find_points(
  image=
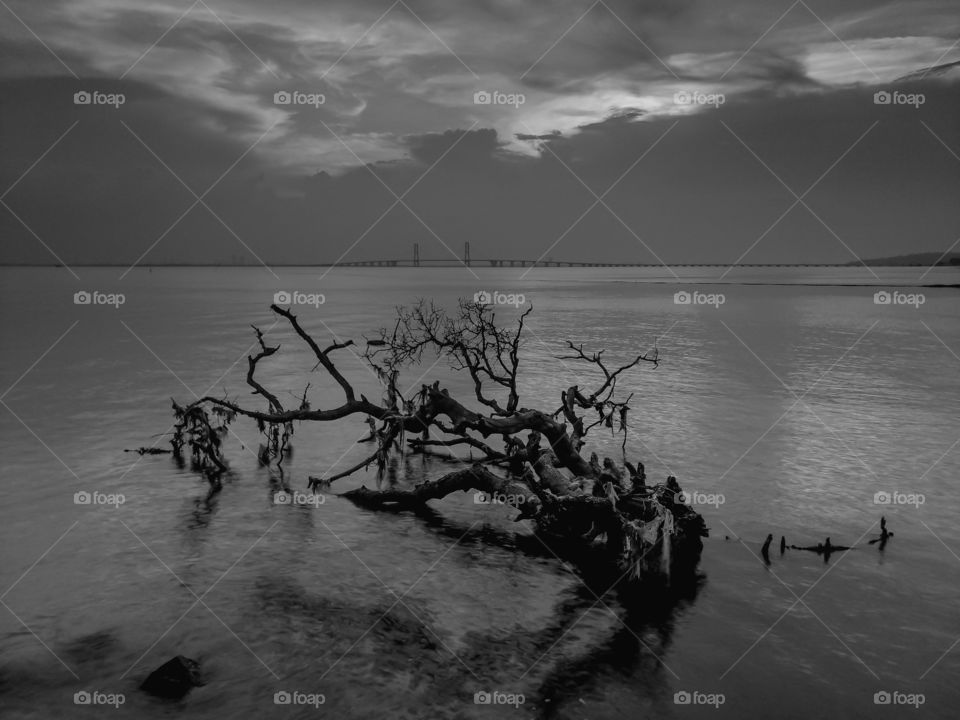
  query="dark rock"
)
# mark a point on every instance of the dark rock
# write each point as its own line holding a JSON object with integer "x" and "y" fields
{"x": 174, "y": 678}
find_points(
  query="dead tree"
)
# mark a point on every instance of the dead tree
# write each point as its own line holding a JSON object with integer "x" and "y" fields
{"x": 576, "y": 501}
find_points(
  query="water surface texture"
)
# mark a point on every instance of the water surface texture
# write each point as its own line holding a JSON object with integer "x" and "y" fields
{"x": 797, "y": 399}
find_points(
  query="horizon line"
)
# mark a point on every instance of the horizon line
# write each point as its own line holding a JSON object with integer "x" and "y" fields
{"x": 552, "y": 264}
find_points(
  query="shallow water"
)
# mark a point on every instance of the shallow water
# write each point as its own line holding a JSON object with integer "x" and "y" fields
{"x": 796, "y": 401}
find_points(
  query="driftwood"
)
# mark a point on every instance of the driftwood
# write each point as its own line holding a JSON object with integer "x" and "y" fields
{"x": 646, "y": 532}
{"x": 576, "y": 501}
{"x": 827, "y": 548}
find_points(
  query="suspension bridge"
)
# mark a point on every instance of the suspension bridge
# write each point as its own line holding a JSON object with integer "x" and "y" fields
{"x": 466, "y": 260}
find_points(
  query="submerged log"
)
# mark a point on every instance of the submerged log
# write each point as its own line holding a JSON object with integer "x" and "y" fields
{"x": 644, "y": 533}
{"x": 827, "y": 548}
{"x": 885, "y": 534}
{"x": 765, "y": 550}
{"x": 476, "y": 478}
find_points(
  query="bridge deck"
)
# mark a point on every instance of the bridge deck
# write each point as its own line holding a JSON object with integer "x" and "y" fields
{"x": 507, "y": 262}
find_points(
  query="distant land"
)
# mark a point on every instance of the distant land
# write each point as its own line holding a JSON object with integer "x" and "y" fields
{"x": 926, "y": 259}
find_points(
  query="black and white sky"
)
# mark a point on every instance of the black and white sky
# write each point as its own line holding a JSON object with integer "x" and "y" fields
{"x": 783, "y": 155}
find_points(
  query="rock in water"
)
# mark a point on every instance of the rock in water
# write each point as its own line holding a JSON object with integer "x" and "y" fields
{"x": 174, "y": 678}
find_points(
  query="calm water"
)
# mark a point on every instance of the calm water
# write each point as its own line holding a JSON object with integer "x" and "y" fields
{"x": 796, "y": 402}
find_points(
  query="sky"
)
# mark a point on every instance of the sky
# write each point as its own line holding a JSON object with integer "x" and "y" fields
{"x": 651, "y": 131}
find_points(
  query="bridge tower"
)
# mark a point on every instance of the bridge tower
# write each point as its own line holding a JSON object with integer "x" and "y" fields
{"x": 416, "y": 254}
{"x": 466, "y": 254}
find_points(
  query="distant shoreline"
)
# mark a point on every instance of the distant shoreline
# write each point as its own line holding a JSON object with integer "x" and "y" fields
{"x": 800, "y": 284}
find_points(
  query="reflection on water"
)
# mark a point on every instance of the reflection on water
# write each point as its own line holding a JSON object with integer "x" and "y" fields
{"x": 796, "y": 403}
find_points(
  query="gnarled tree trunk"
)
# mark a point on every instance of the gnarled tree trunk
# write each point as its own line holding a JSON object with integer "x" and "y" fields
{"x": 575, "y": 501}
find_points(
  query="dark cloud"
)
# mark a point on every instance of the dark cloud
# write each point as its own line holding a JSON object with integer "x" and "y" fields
{"x": 548, "y": 136}
{"x": 699, "y": 193}
{"x": 479, "y": 145}
{"x": 521, "y": 180}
